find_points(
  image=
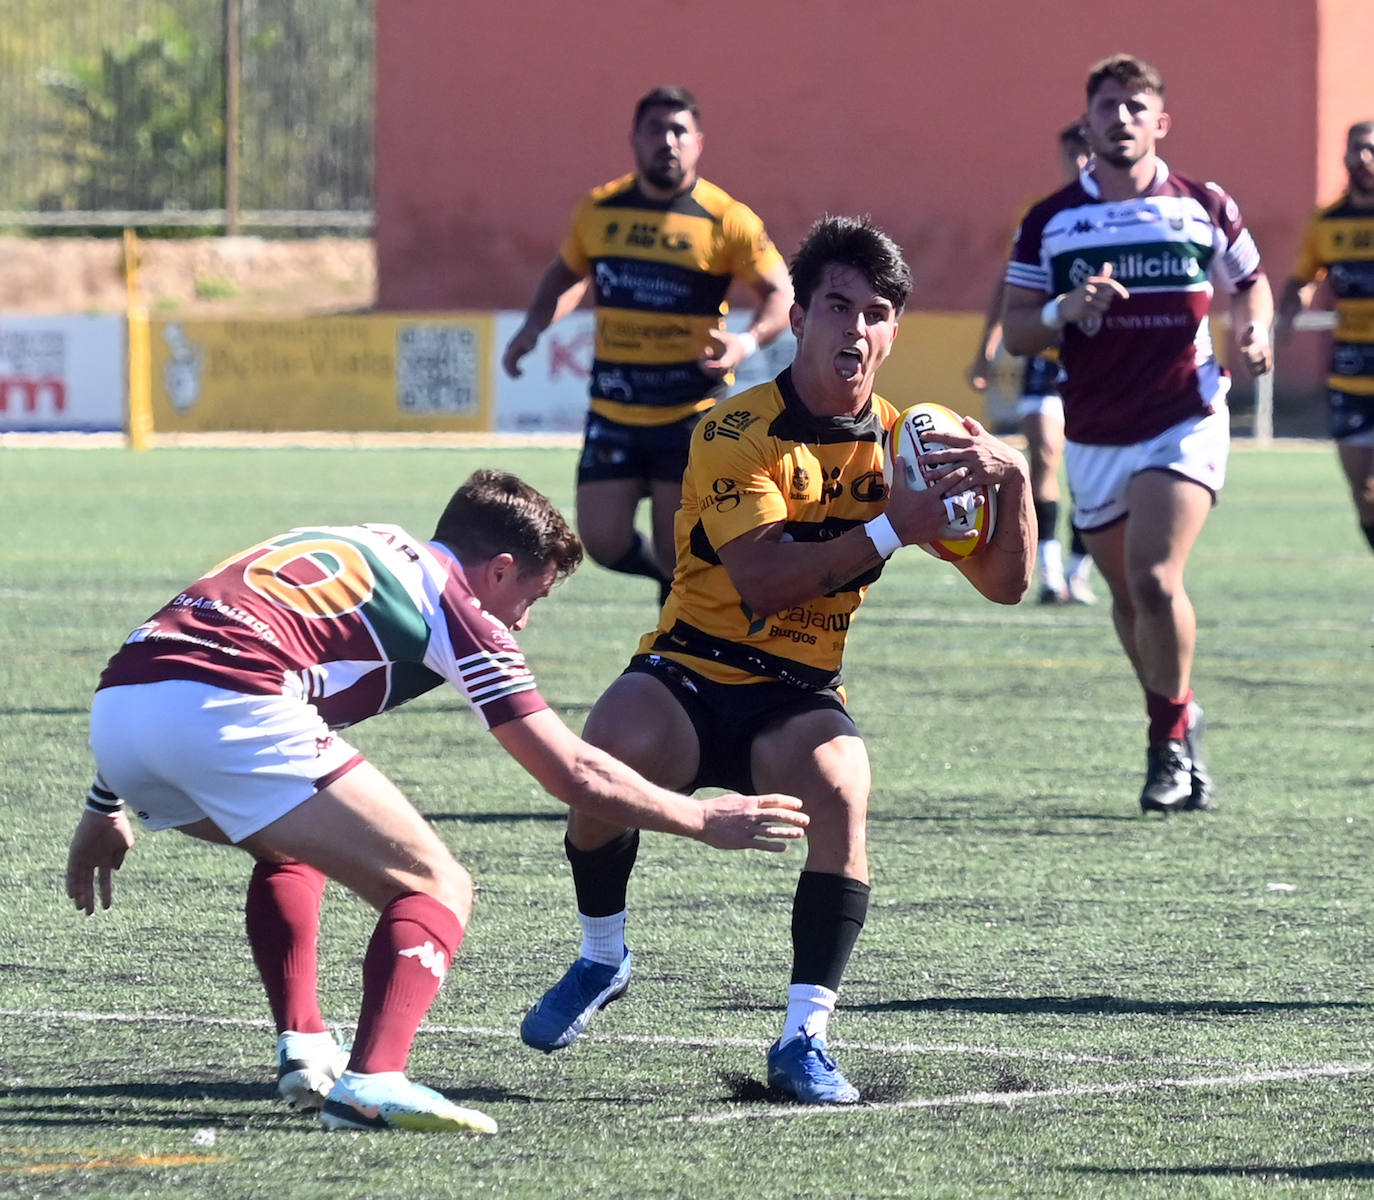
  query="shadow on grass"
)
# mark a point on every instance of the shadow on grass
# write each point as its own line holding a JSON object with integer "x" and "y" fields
{"x": 1101, "y": 1005}
{"x": 1315, "y": 1171}
{"x": 498, "y": 818}
{"x": 134, "y": 1102}
{"x": 745, "y": 1089}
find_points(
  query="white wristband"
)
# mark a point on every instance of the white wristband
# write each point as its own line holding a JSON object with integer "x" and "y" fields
{"x": 749, "y": 344}
{"x": 1050, "y": 316}
{"x": 883, "y": 536}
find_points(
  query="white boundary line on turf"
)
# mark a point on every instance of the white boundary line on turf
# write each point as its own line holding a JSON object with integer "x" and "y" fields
{"x": 627, "y": 1039}
{"x": 1009, "y": 1099}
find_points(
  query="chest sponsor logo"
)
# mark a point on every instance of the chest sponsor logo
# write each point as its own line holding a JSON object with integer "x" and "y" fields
{"x": 1154, "y": 266}
{"x": 647, "y": 235}
{"x": 801, "y": 483}
{"x": 868, "y": 489}
{"x": 640, "y": 286}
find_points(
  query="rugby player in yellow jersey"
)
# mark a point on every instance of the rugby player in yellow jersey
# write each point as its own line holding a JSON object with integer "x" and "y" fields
{"x": 1339, "y": 247}
{"x": 660, "y": 249}
{"x": 785, "y": 521}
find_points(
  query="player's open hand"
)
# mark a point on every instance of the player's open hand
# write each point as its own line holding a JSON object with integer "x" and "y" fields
{"x": 737, "y": 822}
{"x": 97, "y": 851}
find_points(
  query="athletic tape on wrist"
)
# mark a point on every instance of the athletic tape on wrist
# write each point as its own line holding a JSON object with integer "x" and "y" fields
{"x": 750, "y": 344}
{"x": 883, "y": 536}
{"x": 1050, "y": 316}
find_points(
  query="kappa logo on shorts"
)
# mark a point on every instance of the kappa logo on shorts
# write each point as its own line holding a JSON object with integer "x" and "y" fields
{"x": 323, "y": 744}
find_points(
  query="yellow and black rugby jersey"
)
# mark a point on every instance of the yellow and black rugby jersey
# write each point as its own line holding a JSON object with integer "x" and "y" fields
{"x": 763, "y": 457}
{"x": 1339, "y": 246}
{"x": 660, "y": 272}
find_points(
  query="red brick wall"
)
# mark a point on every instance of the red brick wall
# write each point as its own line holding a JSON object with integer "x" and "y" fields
{"x": 937, "y": 118}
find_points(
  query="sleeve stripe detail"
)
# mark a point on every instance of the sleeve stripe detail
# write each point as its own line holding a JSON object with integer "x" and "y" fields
{"x": 1242, "y": 257}
{"x": 1023, "y": 275}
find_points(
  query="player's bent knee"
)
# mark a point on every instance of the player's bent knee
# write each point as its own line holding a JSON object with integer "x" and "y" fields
{"x": 451, "y": 885}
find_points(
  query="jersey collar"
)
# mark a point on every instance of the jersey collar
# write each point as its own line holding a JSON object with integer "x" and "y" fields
{"x": 1088, "y": 180}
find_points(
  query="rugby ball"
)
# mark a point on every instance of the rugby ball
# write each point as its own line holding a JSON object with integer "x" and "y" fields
{"x": 917, "y": 431}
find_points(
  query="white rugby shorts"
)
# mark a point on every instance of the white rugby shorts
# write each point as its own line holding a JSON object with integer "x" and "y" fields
{"x": 179, "y": 751}
{"x": 1048, "y": 406}
{"x": 1100, "y": 476}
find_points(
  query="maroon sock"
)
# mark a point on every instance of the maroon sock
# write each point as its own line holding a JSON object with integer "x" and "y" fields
{"x": 1168, "y": 718}
{"x": 414, "y": 942}
{"x": 282, "y": 918}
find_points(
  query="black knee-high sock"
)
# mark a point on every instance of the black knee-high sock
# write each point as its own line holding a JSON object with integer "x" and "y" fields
{"x": 1047, "y": 518}
{"x": 827, "y": 914}
{"x": 1077, "y": 545}
{"x": 601, "y": 877}
{"x": 639, "y": 559}
{"x": 1369, "y": 535}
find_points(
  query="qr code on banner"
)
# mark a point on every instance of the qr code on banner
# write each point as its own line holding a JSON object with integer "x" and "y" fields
{"x": 436, "y": 369}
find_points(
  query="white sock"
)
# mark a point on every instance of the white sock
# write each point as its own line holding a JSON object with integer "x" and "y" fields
{"x": 1080, "y": 565}
{"x": 1050, "y": 552}
{"x": 603, "y": 938}
{"x": 809, "y": 1006}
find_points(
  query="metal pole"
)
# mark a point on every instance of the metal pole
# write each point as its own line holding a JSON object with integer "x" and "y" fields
{"x": 231, "y": 115}
{"x": 1264, "y": 405}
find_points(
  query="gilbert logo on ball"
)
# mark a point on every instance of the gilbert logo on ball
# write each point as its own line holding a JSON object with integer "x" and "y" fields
{"x": 916, "y": 432}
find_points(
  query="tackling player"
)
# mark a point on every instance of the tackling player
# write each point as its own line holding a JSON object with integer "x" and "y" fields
{"x": 785, "y": 521}
{"x": 1117, "y": 268}
{"x": 1339, "y": 247}
{"x": 217, "y": 718}
{"x": 661, "y": 248}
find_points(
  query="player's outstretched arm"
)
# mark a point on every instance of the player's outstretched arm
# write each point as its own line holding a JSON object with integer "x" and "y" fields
{"x": 558, "y": 292}
{"x": 97, "y": 850}
{"x": 594, "y": 782}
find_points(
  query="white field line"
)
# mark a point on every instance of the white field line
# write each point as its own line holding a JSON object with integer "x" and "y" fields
{"x": 629, "y": 1039}
{"x": 1010, "y": 1099}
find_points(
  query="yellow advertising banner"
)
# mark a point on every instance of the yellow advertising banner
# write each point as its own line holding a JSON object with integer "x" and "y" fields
{"x": 412, "y": 372}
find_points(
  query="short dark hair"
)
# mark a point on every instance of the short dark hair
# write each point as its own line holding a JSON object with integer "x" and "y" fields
{"x": 1127, "y": 70}
{"x": 1359, "y": 129}
{"x": 497, "y": 513}
{"x": 1072, "y": 136}
{"x": 850, "y": 242}
{"x": 676, "y": 98}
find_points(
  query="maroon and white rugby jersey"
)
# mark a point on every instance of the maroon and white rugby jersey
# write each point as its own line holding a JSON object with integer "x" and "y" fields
{"x": 1148, "y": 362}
{"x": 353, "y": 619}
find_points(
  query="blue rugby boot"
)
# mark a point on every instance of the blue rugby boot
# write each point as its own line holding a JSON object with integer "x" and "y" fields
{"x": 802, "y": 1068}
{"x": 564, "y": 1011}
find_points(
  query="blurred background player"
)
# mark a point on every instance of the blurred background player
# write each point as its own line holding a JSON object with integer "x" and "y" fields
{"x": 1339, "y": 247}
{"x": 1040, "y": 414}
{"x": 784, "y": 523}
{"x": 1118, "y": 268}
{"x": 661, "y": 248}
{"x": 216, "y": 717}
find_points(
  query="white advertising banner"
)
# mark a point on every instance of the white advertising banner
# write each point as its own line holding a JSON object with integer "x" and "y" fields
{"x": 551, "y": 394}
{"x": 62, "y": 373}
